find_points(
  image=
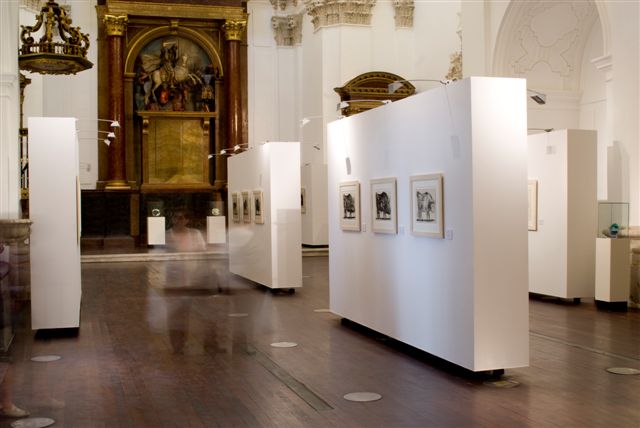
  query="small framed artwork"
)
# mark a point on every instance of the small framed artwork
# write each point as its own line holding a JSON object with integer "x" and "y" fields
{"x": 426, "y": 210}
{"x": 246, "y": 207}
{"x": 349, "y": 205}
{"x": 533, "y": 205}
{"x": 258, "y": 217}
{"x": 384, "y": 217}
{"x": 303, "y": 200}
{"x": 235, "y": 207}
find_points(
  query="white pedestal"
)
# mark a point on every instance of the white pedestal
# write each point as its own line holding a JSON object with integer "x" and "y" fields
{"x": 612, "y": 269}
{"x": 155, "y": 231}
{"x": 54, "y": 208}
{"x": 216, "y": 230}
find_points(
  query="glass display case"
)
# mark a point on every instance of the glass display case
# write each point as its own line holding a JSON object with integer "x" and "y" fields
{"x": 613, "y": 219}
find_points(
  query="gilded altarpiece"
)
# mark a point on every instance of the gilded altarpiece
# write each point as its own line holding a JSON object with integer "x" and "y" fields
{"x": 175, "y": 97}
{"x": 175, "y": 89}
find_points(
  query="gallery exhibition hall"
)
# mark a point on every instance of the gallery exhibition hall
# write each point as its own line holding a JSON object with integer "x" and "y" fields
{"x": 319, "y": 213}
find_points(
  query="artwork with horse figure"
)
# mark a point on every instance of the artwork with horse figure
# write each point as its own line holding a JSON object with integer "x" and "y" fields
{"x": 246, "y": 207}
{"x": 303, "y": 200}
{"x": 235, "y": 207}
{"x": 258, "y": 216}
{"x": 427, "y": 205}
{"x": 384, "y": 217}
{"x": 349, "y": 204}
{"x": 174, "y": 74}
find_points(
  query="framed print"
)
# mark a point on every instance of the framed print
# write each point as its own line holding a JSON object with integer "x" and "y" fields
{"x": 303, "y": 200}
{"x": 246, "y": 207}
{"x": 384, "y": 215}
{"x": 533, "y": 205}
{"x": 235, "y": 207}
{"x": 349, "y": 205}
{"x": 427, "y": 202}
{"x": 258, "y": 217}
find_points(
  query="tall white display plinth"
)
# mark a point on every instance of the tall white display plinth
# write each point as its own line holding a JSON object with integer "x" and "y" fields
{"x": 216, "y": 230}
{"x": 314, "y": 218}
{"x": 612, "y": 270}
{"x": 464, "y": 298}
{"x": 562, "y": 251}
{"x": 156, "y": 233}
{"x": 268, "y": 253}
{"x": 54, "y": 208}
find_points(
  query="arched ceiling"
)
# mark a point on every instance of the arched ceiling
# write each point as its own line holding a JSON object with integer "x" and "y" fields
{"x": 544, "y": 41}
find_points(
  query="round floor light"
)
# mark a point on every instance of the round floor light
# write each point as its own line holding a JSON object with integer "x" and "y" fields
{"x": 45, "y": 358}
{"x": 284, "y": 344}
{"x": 362, "y": 397}
{"x": 33, "y": 423}
{"x": 623, "y": 371}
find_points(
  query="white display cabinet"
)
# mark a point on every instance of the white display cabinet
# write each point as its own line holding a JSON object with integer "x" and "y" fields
{"x": 562, "y": 253}
{"x": 462, "y": 297}
{"x": 265, "y": 246}
{"x": 54, "y": 208}
{"x": 612, "y": 255}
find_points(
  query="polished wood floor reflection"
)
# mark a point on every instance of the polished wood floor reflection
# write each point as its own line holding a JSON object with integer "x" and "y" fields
{"x": 157, "y": 347}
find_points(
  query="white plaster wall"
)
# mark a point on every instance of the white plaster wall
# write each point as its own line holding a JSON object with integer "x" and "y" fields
{"x": 9, "y": 111}
{"x": 593, "y": 103}
{"x": 451, "y": 298}
{"x": 262, "y": 79}
{"x": 625, "y": 39}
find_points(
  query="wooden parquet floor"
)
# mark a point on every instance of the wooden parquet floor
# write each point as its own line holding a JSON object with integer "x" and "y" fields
{"x": 157, "y": 347}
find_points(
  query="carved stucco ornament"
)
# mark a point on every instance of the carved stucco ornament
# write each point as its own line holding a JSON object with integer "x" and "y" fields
{"x": 282, "y": 4}
{"x": 333, "y": 12}
{"x": 404, "y": 13}
{"x": 287, "y": 30}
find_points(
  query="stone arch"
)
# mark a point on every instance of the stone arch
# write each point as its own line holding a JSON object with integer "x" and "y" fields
{"x": 541, "y": 37}
{"x": 142, "y": 39}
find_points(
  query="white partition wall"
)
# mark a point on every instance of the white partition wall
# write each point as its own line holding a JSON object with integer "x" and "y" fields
{"x": 54, "y": 208}
{"x": 268, "y": 253}
{"x": 463, "y": 298}
{"x": 562, "y": 249}
{"x": 314, "y": 211}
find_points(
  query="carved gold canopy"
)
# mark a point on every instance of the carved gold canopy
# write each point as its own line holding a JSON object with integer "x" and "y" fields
{"x": 370, "y": 90}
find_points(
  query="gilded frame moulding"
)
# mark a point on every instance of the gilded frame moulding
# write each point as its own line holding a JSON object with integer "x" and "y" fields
{"x": 115, "y": 25}
{"x": 191, "y": 11}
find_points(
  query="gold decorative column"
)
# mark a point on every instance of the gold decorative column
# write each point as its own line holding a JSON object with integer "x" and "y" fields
{"x": 233, "y": 32}
{"x": 116, "y": 173}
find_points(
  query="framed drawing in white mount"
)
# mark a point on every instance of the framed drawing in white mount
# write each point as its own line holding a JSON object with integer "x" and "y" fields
{"x": 246, "y": 207}
{"x": 235, "y": 207}
{"x": 384, "y": 214}
{"x": 427, "y": 214}
{"x": 258, "y": 217}
{"x": 533, "y": 205}
{"x": 349, "y": 193}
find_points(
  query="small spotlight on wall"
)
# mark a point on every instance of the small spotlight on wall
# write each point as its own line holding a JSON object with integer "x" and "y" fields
{"x": 538, "y": 97}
